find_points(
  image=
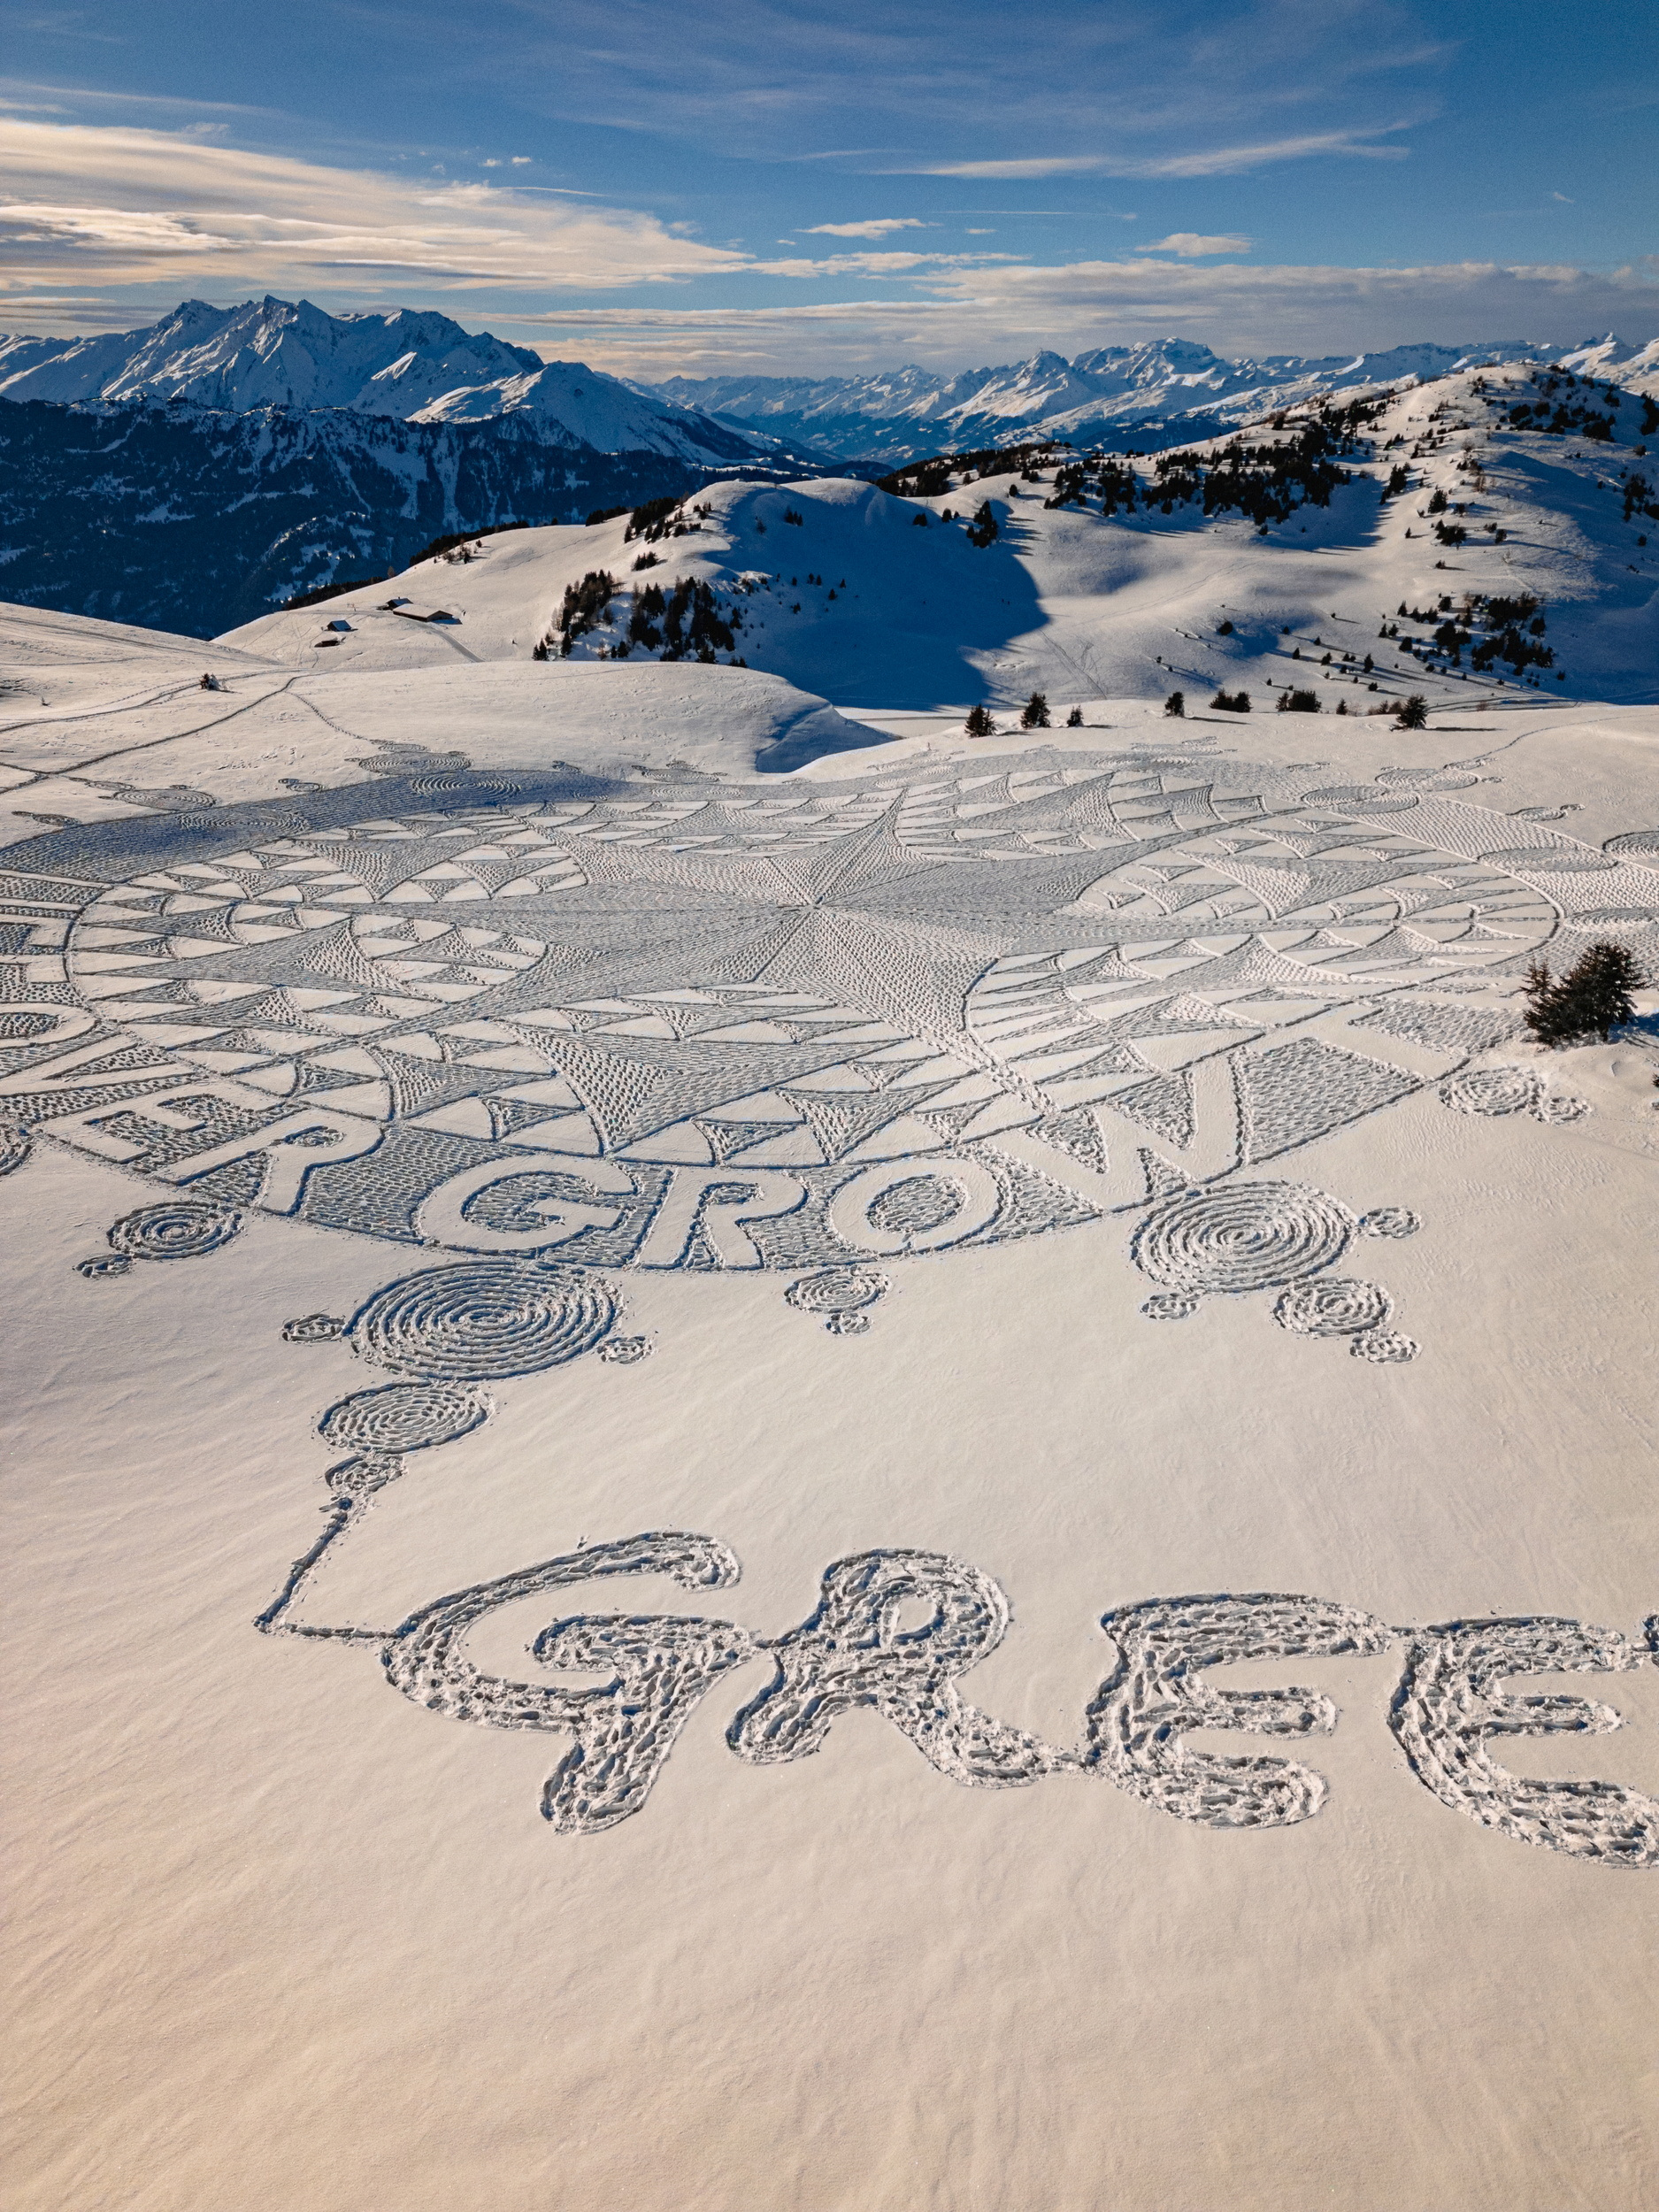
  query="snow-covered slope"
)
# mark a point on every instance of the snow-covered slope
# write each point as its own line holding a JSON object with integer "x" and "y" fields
{"x": 1113, "y": 391}
{"x": 417, "y": 366}
{"x": 719, "y": 1483}
{"x": 877, "y": 600}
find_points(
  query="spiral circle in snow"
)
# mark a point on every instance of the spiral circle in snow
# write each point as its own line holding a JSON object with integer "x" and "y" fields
{"x": 177, "y": 1229}
{"x": 485, "y": 1318}
{"x": 1245, "y": 1236}
{"x": 1389, "y": 1221}
{"x": 1387, "y": 1346}
{"x": 403, "y": 1417}
{"x": 1493, "y": 1091}
{"x": 837, "y": 1290}
{"x": 1333, "y": 1305}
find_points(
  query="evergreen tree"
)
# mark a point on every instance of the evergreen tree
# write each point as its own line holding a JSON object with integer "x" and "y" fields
{"x": 1414, "y": 713}
{"x": 1592, "y": 999}
{"x": 1074, "y": 720}
{"x": 978, "y": 723}
{"x": 1176, "y": 703}
{"x": 1034, "y": 715}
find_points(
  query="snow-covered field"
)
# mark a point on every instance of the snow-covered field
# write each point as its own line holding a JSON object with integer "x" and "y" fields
{"x": 919, "y": 1471}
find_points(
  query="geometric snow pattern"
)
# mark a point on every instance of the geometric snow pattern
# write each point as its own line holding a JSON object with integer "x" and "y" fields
{"x": 1297, "y": 1092}
{"x": 665, "y": 1022}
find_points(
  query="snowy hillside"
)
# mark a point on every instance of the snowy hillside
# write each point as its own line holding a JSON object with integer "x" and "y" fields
{"x": 755, "y": 1471}
{"x": 419, "y": 367}
{"x": 1482, "y": 538}
{"x": 1164, "y": 393}
{"x": 185, "y": 520}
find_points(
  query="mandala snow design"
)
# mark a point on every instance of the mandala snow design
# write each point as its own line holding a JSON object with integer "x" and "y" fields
{"x": 685, "y": 1024}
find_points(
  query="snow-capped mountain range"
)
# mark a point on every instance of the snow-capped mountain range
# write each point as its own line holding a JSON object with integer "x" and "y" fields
{"x": 420, "y": 367}
{"x": 417, "y": 366}
{"x": 1157, "y": 395}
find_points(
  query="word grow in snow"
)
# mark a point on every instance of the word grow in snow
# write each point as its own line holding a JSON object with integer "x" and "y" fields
{"x": 854, "y": 1650}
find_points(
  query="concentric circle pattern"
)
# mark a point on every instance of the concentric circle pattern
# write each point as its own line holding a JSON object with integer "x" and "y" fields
{"x": 403, "y": 1417}
{"x": 1558, "y": 1106}
{"x": 1333, "y": 1305}
{"x": 485, "y": 1318}
{"x": 1384, "y": 1347}
{"x": 1243, "y": 1237}
{"x": 837, "y": 1291}
{"x": 1389, "y": 1221}
{"x": 312, "y": 1328}
{"x": 1492, "y": 1091}
{"x": 177, "y": 1229}
{"x": 624, "y": 1351}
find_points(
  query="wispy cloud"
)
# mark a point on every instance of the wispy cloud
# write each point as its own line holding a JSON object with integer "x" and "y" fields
{"x": 132, "y": 206}
{"x": 913, "y": 90}
{"x": 1007, "y": 312}
{"x": 879, "y": 227}
{"x": 1018, "y": 165}
{"x": 1204, "y": 161}
{"x": 1191, "y": 245}
{"x": 876, "y": 265}
{"x": 67, "y": 97}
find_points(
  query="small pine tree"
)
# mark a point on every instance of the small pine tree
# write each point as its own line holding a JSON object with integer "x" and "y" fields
{"x": 978, "y": 723}
{"x": 1074, "y": 720}
{"x": 1034, "y": 714}
{"x": 1592, "y": 999}
{"x": 1414, "y": 713}
{"x": 1176, "y": 704}
{"x": 1298, "y": 701}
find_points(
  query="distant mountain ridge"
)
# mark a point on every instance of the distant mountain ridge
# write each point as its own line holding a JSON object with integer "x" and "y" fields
{"x": 414, "y": 365}
{"x": 1159, "y": 394}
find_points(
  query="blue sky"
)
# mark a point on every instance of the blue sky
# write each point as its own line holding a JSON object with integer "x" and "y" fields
{"x": 798, "y": 188}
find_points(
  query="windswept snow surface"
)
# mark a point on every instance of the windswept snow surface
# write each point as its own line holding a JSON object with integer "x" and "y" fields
{"x": 760, "y": 1461}
{"x": 875, "y": 600}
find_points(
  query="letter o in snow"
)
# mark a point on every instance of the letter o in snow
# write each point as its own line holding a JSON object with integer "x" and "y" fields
{"x": 976, "y": 1190}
